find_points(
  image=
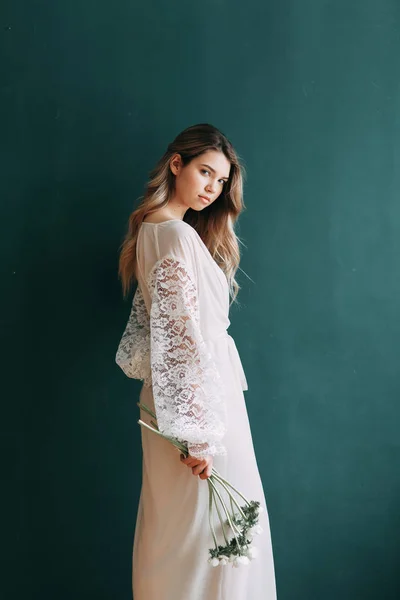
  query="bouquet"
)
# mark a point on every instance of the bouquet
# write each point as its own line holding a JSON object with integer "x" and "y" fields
{"x": 240, "y": 520}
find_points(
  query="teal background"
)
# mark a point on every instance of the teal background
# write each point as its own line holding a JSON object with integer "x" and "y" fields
{"x": 308, "y": 92}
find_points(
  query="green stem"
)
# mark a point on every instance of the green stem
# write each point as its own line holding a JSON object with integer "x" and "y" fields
{"x": 220, "y": 517}
{"x": 166, "y": 437}
{"x": 173, "y": 441}
{"x": 218, "y": 478}
{"x": 147, "y": 409}
{"x": 232, "y": 509}
{"x": 210, "y": 497}
{"x": 232, "y": 526}
{"x": 230, "y": 485}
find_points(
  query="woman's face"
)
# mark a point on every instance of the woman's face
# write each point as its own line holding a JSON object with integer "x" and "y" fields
{"x": 206, "y": 175}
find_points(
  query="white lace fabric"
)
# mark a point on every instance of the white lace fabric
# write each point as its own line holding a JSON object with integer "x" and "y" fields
{"x": 133, "y": 354}
{"x": 166, "y": 349}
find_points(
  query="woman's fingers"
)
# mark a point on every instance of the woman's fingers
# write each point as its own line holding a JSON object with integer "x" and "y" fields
{"x": 203, "y": 474}
{"x": 199, "y": 468}
{"x": 196, "y": 464}
{"x": 189, "y": 461}
{"x": 206, "y": 473}
{"x": 202, "y": 468}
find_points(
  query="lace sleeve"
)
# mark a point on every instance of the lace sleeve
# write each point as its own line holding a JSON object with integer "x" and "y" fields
{"x": 133, "y": 353}
{"x": 187, "y": 388}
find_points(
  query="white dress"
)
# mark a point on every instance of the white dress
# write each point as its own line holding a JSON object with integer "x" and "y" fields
{"x": 176, "y": 341}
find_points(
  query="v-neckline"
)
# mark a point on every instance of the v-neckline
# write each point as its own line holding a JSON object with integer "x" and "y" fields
{"x": 208, "y": 253}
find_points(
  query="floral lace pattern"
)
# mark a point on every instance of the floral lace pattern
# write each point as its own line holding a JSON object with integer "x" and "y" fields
{"x": 187, "y": 388}
{"x": 166, "y": 350}
{"x": 133, "y": 354}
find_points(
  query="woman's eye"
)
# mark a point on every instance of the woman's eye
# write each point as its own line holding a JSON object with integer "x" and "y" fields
{"x": 207, "y": 171}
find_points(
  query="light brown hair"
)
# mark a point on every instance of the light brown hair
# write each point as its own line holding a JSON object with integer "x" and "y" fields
{"x": 214, "y": 224}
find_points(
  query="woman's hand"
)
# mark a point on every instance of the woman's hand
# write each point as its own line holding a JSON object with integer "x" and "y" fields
{"x": 201, "y": 467}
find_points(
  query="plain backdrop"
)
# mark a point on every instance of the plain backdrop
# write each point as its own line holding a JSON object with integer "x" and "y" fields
{"x": 308, "y": 92}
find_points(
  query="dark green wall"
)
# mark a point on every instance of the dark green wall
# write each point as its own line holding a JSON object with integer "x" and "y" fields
{"x": 91, "y": 94}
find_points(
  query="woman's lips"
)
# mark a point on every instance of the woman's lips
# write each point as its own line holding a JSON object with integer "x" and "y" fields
{"x": 205, "y": 200}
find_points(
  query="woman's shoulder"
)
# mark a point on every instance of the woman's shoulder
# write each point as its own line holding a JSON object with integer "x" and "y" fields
{"x": 170, "y": 228}
{"x": 172, "y": 237}
{"x": 178, "y": 234}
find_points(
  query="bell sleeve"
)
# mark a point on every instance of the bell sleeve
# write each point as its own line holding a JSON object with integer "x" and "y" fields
{"x": 187, "y": 388}
{"x": 133, "y": 353}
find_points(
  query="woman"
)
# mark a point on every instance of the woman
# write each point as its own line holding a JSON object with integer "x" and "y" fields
{"x": 182, "y": 249}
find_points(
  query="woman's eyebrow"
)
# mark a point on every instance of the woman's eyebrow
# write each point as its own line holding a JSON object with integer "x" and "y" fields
{"x": 211, "y": 169}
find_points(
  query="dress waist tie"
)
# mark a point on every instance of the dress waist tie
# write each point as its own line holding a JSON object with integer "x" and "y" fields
{"x": 234, "y": 357}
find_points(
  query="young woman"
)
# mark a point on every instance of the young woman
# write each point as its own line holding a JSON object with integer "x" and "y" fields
{"x": 182, "y": 250}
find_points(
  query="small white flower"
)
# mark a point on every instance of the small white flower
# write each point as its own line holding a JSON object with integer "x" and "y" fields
{"x": 257, "y": 529}
{"x": 252, "y": 552}
{"x": 223, "y": 560}
{"x": 231, "y": 558}
{"x": 214, "y": 562}
{"x": 236, "y": 562}
{"x": 240, "y": 560}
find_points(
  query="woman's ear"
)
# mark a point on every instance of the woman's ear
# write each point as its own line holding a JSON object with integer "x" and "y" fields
{"x": 175, "y": 163}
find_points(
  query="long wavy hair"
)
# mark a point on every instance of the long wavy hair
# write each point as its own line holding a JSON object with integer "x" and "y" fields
{"x": 215, "y": 224}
